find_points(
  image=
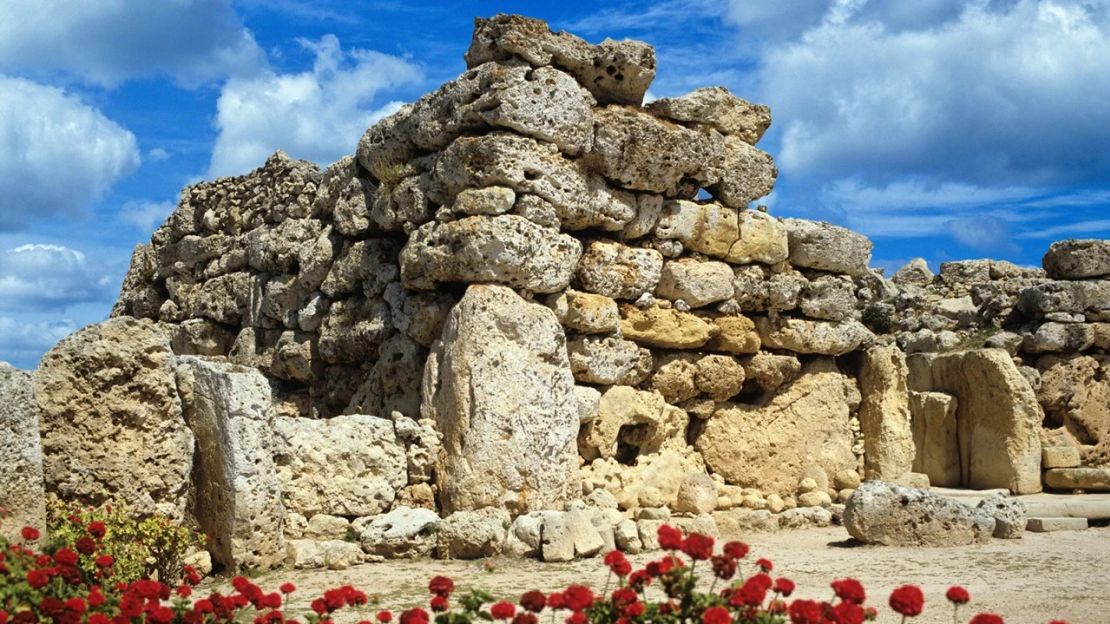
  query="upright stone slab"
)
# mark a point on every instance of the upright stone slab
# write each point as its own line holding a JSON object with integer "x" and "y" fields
{"x": 21, "y": 485}
{"x": 998, "y": 417}
{"x": 111, "y": 419}
{"x": 500, "y": 388}
{"x": 935, "y": 437}
{"x": 884, "y": 415}
{"x": 238, "y": 496}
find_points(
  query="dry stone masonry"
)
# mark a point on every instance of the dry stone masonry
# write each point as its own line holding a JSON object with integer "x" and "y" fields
{"x": 531, "y": 315}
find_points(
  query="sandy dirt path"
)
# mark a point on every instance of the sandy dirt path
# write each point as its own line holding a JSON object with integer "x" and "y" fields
{"x": 1031, "y": 580}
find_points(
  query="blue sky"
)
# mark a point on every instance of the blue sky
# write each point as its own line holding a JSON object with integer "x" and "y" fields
{"x": 941, "y": 129}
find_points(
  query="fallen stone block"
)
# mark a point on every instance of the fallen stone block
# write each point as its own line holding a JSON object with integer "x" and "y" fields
{"x": 1048, "y": 525}
{"x": 891, "y": 515}
{"x": 1091, "y": 479}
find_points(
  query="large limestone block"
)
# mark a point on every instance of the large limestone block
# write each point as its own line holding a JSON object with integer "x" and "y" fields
{"x": 665, "y": 328}
{"x": 806, "y": 336}
{"x": 350, "y": 465}
{"x": 935, "y": 437}
{"x": 884, "y": 414}
{"x": 613, "y": 71}
{"x": 1078, "y": 259}
{"x": 890, "y": 515}
{"x": 1075, "y": 392}
{"x": 618, "y": 271}
{"x": 472, "y": 534}
{"x": 578, "y": 199}
{"x": 505, "y": 249}
{"x": 111, "y": 418}
{"x": 762, "y": 238}
{"x": 238, "y": 493}
{"x": 22, "y": 493}
{"x": 1087, "y": 297}
{"x": 696, "y": 283}
{"x": 999, "y": 419}
{"x": 719, "y": 109}
{"x": 1059, "y": 338}
{"x": 643, "y": 153}
{"x": 1092, "y": 479}
{"x": 636, "y": 418}
{"x": 772, "y": 446}
{"x": 826, "y": 247}
{"x": 586, "y": 313}
{"x": 735, "y": 334}
{"x": 602, "y": 360}
{"x": 500, "y": 388}
{"x": 746, "y": 173}
{"x": 830, "y": 298}
{"x": 403, "y": 533}
{"x": 708, "y": 228}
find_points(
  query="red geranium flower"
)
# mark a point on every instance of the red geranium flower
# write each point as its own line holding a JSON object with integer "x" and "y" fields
{"x": 85, "y": 545}
{"x": 957, "y": 595}
{"x": 525, "y": 617}
{"x": 849, "y": 589}
{"x": 287, "y": 588}
{"x": 618, "y": 563}
{"x": 441, "y": 585}
{"x": 753, "y": 592}
{"x": 987, "y": 618}
{"x": 578, "y": 617}
{"x": 765, "y": 564}
{"x": 848, "y": 612}
{"x": 533, "y": 600}
{"x": 783, "y": 586}
{"x": 716, "y": 615}
{"x": 557, "y": 601}
{"x": 806, "y": 612}
{"x": 66, "y": 556}
{"x": 735, "y": 550}
{"x": 907, "y": 600}
{"x": 438, "y": 603}
{"x": 384, "y": 616}
{"x": 105, "y": 561}
{"x": 670, "y": 538}
{"x": 578, "y": 597}
{"x": 97, "y": 529}
{"x": 698, "y": 547}
{"x": 724, "y": 567}
{"x": 416, "y": 615}
{"x": 502, "y": 610}
{"x": 29, "y": 533}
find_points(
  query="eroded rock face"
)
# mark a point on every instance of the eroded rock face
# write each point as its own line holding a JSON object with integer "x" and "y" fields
{"x": 228, "y": 408}
{"x": 819, "y": 245}
{"x": 1078, "y": 259}
{"x": 20, "y": 454}
{"x": 348, "y": 465}
{"x": 719, "y": 109}
{"x": 741, "y": 442}
{"x": 884, "y": 415}
{"x": 891, "y": 515}
{"x": 500, "y": 388}
{"x": 111, "y": 418}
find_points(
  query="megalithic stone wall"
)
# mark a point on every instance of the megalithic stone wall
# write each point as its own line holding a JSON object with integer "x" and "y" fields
{"x": 527, "y": 288}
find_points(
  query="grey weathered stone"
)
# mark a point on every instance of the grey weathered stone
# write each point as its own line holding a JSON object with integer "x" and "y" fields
{"x": 401, "y": 533}
{"x": 472, "y": 534}
{"x": 696, "y": 283}
{"x": 719, "y": 109}
{"x": 696, "y": 495}
{"x": 1078, "y": 259}
{"x": 602, "y": 360}
{"x": 500, "y": 389}
{"x": 891, "y": 515}
{"x": 746, "y": 173}
{"x": 806, "y": 336}
{"x": 505, "y": 249}
{"x": 23, "y": 492}
{"x": 240, "y": 507}
{"x": 618, "y": 271}
{"x": 826, "y": 247}
{"x": 1008, "y": 514}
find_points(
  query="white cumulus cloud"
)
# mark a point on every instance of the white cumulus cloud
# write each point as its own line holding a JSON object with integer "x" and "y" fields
{"x": 50, "y": 277}
{"x": 317, "y": 115}
{"x": 23, "y": 342}
{"x": 146, "y": 215}
{"x": 108, "y": 41}
{"x": 57, "y": 154}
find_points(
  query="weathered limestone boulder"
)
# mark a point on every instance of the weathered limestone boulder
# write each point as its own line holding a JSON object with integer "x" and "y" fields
{"x": 505, "y": 249}
{"x": 617, "y": 271}
{"x": 665, "y": 328}
{"x": 719, "y": 109}
{"x": 1078, "y": 259}
{"x": 771, "y": 371}
{"x": 735, "y": 334}
{"x": 998, "y": 417}
{"x": 1059, "y": 338}
{"x": 613, "y": 71}
{"x": 1091, "y": 479}
{"x": 890, "y": 515}
{"x": 723, "y": 232}
{"x": 884, "y": 415}
{"x": 719, "y": 376}
{"x": 827, "y": 247}
{"x": 20, "y": 455}
{"x": 1088, "y": 297}
{"x": 829, "y": 297}
{"x": 602, "y": 360}
{"x": 472, "y": 534}
{"x": 762, "y": 238}
{"x": 1075, "y": 392}
{"x": 743, "y": 443}
{"x": 806, "y": 336}
{"x": 935, "y": 437}
{"x": 1008, "y": 514}
{"x": 696, "y": 495}
{"x": 746, "y": 174}
{"x": 637, "y": 418}
{"x": 239, "y": 507}
{"x": 350, "y": 465}
{"x": 309, "y": 554}
{"x": 568, "y": 535}
{"x": 674, "y": 375}
{"x": 585, "y": 312}
{"x": 915, "y": 273}
{"x": 642, "y": 153}
{"x": 115, "y": 382}
{"x": 500, "y": 388}
{"x": 696, "y": 283}
{"x": 403, "y": 533}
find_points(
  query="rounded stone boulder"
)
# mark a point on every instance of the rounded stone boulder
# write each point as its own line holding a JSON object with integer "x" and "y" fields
{"x": 891, "y": 515}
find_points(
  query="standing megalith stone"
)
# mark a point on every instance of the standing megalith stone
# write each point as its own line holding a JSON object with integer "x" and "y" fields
{"x": 238, "y": 496}
{"x": 998, "y": 419}
{"x": 111, "y": 419}
{"x": 500, "y": 388}
{"x": 884, "y": 415}
{"x": 21, "y": 486}
{"x": 936, "y": 438}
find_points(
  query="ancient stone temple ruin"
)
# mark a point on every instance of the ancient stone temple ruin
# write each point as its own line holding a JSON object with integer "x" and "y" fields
{"x": 533, "y": 315}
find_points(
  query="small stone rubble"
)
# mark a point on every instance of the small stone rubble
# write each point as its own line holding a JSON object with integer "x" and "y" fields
{"x": 532, "y": 316}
